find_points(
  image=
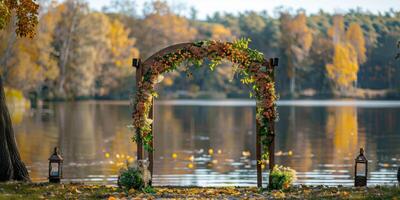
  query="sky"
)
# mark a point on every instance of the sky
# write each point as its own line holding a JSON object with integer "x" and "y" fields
{"x": 207, "y": 7}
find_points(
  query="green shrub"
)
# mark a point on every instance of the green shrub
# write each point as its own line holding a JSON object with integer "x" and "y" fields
{"x": 130, "y": 178}
{"x": 282, "y": 177}
{"x": 149, "y": 190}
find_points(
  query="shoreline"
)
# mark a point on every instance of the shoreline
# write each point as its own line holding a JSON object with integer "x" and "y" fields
{"x": 250, "y": 102}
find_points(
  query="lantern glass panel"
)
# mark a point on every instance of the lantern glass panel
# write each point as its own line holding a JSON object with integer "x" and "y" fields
{"x": 360, "y": 171}
{"x": 54, "y": 169}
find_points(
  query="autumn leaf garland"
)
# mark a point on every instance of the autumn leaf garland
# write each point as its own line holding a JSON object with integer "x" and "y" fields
{"x": 255, "y": 70}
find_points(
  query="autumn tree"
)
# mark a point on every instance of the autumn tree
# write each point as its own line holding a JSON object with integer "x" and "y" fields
{"x": 355, "y": 36}
{"x": 295, "y": 40}
{"x": 24, "y": 15}
{"x": 320, "y": 54}
{"x": 75, "y": 53}
{"x": 343, "y": 70}
{"x": 88, "y": 52}
{"x": 61, "y": 56}
{"x": 262, "y": 30}
{"x": 349, "y": 53}
{"x": 94, "y": 51}
{"x": 160, "y": 28}
{"x": 65, "y": 34}
{"x": 213, "y": 31}
{"x": 116, "y": 68}
{"x": 29, "y": 62}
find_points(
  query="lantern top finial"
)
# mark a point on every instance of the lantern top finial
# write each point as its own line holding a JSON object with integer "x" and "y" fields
{"x": 361, "y": 157}
{"x": 56, "y": 157}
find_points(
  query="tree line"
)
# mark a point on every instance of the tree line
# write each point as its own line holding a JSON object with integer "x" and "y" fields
{"x": 81, "y": 53}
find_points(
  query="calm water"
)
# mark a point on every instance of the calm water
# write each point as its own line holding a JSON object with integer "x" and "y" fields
{"x": 211, "y": 143}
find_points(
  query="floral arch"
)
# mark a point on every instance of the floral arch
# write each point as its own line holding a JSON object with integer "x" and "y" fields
{"x": 256, "y": 71}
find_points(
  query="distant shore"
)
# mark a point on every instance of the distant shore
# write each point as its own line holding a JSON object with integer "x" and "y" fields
{"x": 15, "y": 98}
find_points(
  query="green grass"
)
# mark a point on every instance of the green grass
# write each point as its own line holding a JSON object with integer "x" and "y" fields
{"x": 10, "y": 191}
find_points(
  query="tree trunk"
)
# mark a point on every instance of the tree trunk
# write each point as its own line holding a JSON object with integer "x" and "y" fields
{"x": 66, "y": 48}
{"x": 11, "y": 165}
{"x": 293, "y": 82}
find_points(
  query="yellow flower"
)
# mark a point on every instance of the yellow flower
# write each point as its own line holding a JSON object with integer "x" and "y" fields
{"x": 211, "y": 151}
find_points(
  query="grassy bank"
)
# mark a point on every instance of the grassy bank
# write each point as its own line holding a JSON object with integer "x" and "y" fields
{"x": 80, "y": 191}
{"x": 15, "y": 98}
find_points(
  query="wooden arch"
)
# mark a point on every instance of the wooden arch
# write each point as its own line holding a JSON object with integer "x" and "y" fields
{"x": 143, "y": 67}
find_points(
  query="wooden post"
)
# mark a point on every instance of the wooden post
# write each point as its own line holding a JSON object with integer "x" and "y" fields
{"x": 271, "y": 149}
{"x": 271, "y": 152}
{"x": 258, "y": 155}
{"x": 137, "y": 63}
{"x": 151, "y": 151}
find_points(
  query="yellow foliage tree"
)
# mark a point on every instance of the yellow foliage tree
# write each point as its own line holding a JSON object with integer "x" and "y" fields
{"x": 23, "y": 71}
{"x": 302, "y": 33}
{"x": 94, "y": 51}
{"x": 32, "y": 61}
{"x": 349, "y": 52}
{"x": 161, "y": 28}
{"x": 220, "y": 32}
{"x": 121, "y": 45}
{"x": 117, "y": 65}
{"x": 355, "y": 37}
{"x": 343, "y": 70}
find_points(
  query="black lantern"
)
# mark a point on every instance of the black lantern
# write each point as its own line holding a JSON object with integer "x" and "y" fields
{"x": 55, "y": 167}
{"x": 136, "y": 62}
{"x": 361, "y": 170}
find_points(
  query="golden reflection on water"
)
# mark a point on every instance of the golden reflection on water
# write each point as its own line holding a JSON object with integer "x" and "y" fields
{"x": 95, "y": 140}
{"x": 35, "y": 146}
{"x": 342, "y": 126}
{"x": 84, "y": 136}
{"x": 17, "y": 114}
{"x": 322, "y": 137}
{"x": 221, "y": 133}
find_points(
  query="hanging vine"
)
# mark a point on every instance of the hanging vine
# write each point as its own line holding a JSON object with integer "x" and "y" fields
{"x": 251, "y": 64}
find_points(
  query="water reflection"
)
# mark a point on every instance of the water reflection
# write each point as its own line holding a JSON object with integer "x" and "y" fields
{"x": 211, "y": 144}
{"x": 214, "y": 136}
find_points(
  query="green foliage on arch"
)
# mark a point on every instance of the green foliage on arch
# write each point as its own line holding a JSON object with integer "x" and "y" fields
{"x": 251, "y": 64}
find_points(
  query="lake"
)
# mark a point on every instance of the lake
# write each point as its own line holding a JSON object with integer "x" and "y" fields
{"x": 212, "y": 143}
